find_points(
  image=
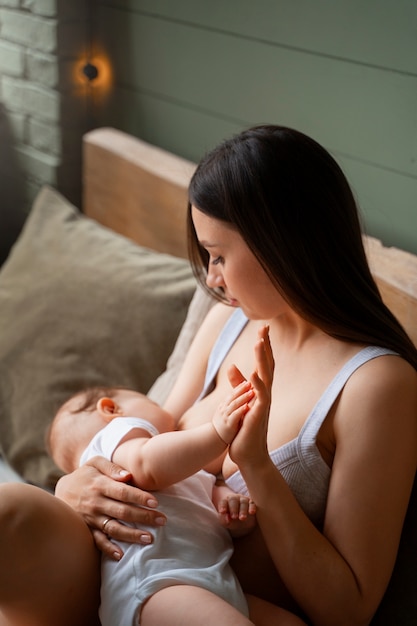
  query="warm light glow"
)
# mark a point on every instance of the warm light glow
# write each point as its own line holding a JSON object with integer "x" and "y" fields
{"x": 103, "y": 80}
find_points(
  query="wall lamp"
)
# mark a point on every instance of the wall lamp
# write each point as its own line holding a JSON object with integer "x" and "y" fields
{"x": 90, "y": 71}
{"x": 94, "y": 72}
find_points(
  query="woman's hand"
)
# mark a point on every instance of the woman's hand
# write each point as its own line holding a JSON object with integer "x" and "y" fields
{"x": 99, "y": 492}
{"x": 250, "y": 444}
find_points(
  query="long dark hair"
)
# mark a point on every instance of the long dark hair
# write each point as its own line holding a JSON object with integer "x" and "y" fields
{"x": 291, "y": 203}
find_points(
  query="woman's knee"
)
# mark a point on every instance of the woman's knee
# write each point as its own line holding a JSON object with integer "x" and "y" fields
{"x": 33, "y": 521}
{"x": 29, "y": 514}
{"x": 48, "y": 549}
{"x": 18, "y": 511}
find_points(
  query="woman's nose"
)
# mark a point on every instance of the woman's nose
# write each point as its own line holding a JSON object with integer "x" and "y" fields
{"x": 214, "y": 277}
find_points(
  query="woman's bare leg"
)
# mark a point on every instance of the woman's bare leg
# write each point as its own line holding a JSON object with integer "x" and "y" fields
{"x": 263, "y": 613}
{"x": 194, "y": 606}
{"x": 50, "y": 569}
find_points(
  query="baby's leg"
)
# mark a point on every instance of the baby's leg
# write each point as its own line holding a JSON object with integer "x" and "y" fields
{"x": 50, "y": 569}
{"x": 263, "y": 613}
{"x": 194, "y": 606}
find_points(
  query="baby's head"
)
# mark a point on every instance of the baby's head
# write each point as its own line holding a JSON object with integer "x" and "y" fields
{"x": 87, "y": 412}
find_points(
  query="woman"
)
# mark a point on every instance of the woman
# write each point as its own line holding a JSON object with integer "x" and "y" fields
{"x": 274, "y": 232}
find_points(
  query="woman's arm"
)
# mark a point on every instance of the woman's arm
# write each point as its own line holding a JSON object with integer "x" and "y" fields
{"x": 190, "y": 381}
{"x": 338, "y": 576}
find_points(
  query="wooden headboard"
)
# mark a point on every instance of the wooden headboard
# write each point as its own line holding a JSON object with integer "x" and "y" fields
{"x": 140, "y": 191}
{"x": 136, "y": 189}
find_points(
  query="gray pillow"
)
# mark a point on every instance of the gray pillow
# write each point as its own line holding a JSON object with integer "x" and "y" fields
{"x": 79, "y": 306}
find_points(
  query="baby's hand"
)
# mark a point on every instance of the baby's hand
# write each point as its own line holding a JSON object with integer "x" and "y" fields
{"x": 229, "y": 415}
{"x": 237, "y": 513}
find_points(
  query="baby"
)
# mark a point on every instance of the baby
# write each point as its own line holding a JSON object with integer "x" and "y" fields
{"x": 190, "y": 552}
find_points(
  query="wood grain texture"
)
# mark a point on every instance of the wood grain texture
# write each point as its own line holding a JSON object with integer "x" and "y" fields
{"x": 136, "y": 189}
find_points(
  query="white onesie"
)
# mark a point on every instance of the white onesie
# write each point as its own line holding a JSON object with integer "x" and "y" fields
{"x": 192, "y": 548}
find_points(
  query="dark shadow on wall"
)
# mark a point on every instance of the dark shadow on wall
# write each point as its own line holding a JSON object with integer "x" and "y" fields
{"x": 12, "y": 194}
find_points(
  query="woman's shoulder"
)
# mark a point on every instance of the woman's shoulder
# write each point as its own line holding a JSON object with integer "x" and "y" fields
{"x": 190, "y": 379}
{"x": 214, "y": 322}
{"x": 387, "y": 372}
{"x": 210, "y": 328}
{"x": 383, "y": 386}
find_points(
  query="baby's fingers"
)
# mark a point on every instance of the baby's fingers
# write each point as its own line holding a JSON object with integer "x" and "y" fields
{"x": 241, "y": 400}
{"x": 237, "y": 403}
{"x": 237, "y": 507}
{"x": 246, "y": 507}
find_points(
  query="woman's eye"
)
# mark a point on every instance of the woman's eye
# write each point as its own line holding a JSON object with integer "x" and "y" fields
{"x": 217, "y": 260}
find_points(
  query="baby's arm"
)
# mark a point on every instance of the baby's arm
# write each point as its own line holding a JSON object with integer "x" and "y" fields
{"x": 237, "y": 512}
{"x": 167, "y": 458}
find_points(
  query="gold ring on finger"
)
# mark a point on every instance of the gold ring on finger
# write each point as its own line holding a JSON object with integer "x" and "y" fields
{"x": 104, "y": 524}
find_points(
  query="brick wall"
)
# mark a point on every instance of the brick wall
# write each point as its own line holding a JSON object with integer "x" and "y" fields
{"x": 45, "y": 109}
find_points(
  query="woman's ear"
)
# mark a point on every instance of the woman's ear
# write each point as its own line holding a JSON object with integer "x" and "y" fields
{"x": 108, "y": 409}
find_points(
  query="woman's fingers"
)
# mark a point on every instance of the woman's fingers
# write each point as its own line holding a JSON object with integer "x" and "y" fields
{"x": 111, "y": 549}
{"x": 110, "y": 469}
{"x": 264, "y": 357}
{"x": 127, "y": 512}
{"x": 113, "y": 529}
{"x": 98, "y": 497}
{"x": 106, "y": 546}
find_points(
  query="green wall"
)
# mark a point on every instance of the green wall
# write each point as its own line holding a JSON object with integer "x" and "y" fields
{"x": 188, "y": 73}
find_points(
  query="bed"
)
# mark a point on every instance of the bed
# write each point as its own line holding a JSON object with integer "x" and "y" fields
{"x": 107, "y": 297}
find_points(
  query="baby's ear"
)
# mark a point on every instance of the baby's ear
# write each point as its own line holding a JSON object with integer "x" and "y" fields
{"x": 108, "y": 409}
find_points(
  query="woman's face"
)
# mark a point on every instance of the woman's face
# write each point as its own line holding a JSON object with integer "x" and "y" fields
{"x": 234, "y": 268}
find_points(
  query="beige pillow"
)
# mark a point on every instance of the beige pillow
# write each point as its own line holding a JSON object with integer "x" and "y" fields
{"x": 79, "y": 305}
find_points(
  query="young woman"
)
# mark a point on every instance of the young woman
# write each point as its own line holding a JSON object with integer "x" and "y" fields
{"x": 331, "y": 457}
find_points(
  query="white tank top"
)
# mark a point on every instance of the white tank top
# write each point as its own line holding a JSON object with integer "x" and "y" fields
{"x": 299, "y": 460}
